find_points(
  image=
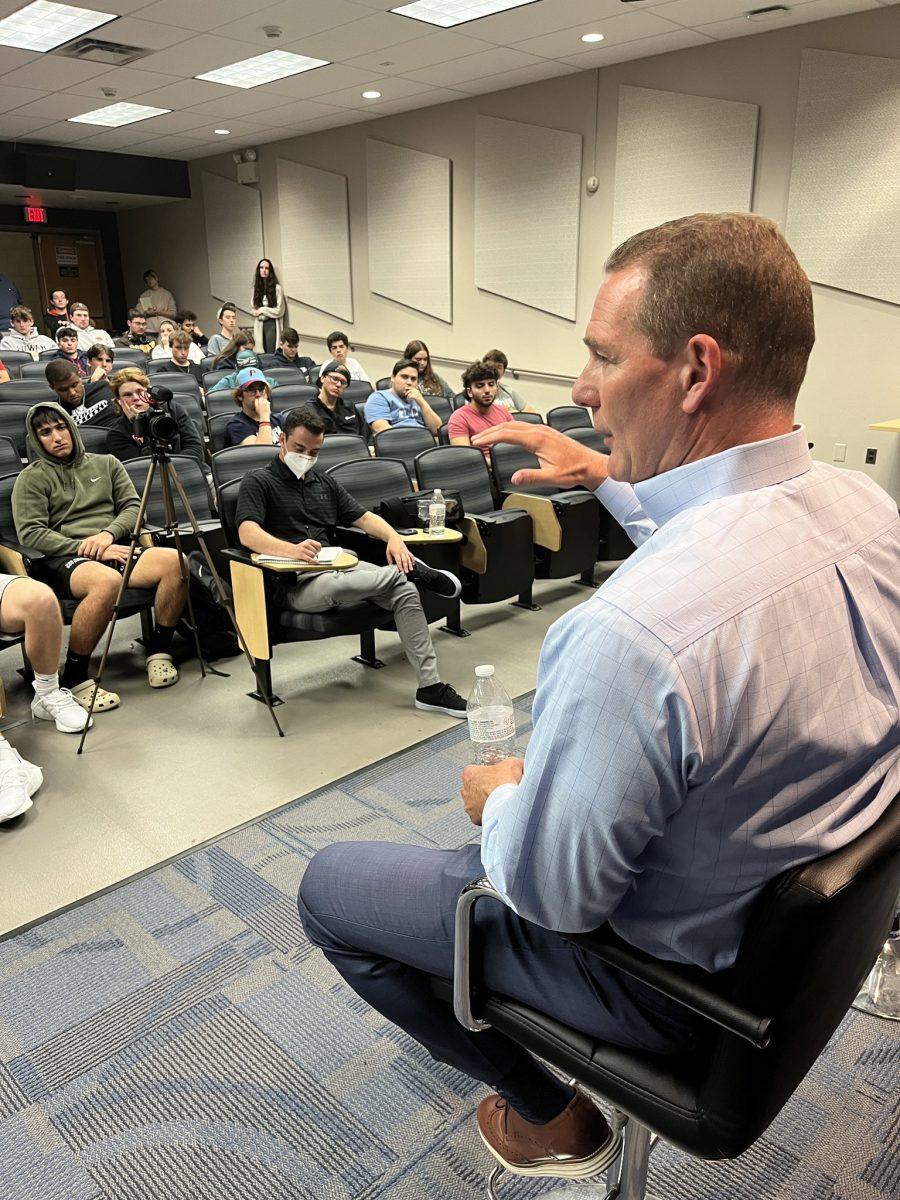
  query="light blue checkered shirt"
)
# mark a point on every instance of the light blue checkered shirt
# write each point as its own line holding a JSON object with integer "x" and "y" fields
{"x": 723, "y": 708}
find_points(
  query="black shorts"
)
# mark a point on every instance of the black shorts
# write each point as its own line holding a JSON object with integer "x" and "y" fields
{"x": 56, "y": 572}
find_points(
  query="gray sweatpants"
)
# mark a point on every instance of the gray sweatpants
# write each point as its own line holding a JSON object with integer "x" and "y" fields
{"x": 384, "y": 586}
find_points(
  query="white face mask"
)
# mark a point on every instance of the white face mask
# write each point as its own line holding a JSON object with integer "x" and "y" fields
{"x": 298, "y": 464}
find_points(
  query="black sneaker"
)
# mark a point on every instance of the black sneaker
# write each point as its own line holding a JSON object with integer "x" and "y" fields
{"x": 441, "y": 697}
{"x": 442, "y": 583}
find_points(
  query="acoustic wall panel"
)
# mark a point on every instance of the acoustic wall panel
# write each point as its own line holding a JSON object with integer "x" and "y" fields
{"x": 677, "y": 155}
{"x": 844, "y": 203}
{"x": 409, "y": 227}
{"x": 527, "y": 204}
{"x": 315, "y": 237}
{"x": 234, "y": 237}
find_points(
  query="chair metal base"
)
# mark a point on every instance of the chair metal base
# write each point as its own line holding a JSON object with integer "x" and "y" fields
{"x": 260, "y": 698}
{"x": 456, "y": 630}
{"x": 375, "y": 663}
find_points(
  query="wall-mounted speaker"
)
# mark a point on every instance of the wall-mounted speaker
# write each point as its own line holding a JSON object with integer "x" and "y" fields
{"x": 49, "y": 171}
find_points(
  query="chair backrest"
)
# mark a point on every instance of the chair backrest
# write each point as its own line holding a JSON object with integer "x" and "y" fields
{"x": 7, "y": 524}
{"x": 220, "y": 402}
{"x": 357, "y": 389}
{"x": 215, "y": 426}
{"x": 10, "y": 461}
{"x": 589, "y": 437}
{"x": 341, "y": 448}
{"x": 811, "y": 937}
{"x": 506, "y": 460}
{"x": 381, "y": 384}
{"x": 93, "y": 438}
{"x": 292, "y": 395}
{"x": 192, "y": 479}
{"x": 158, "y": 366}
{"x": 131, "y": 354}
{"x": 443, "y": 436}
{"x": 371, "y": 480}
{"x": 528, "y": 418}
{"x": 458, "y": 469}
{"x": 211, "y": 377}
{"x": 190, "y": 400}
{"x": 33, "y": 370}
{"x": 227, "y": 501}
{"x": 292, "y": 376}
{"x": 362, "y": 425}
{"x": 459, "y": 400}
{"x": 206, "y": 363}
{"x": 14, "y": 360}
{"x": 404, "y": 442}
{"x": 12, "y": 424}
{"x": 27, "y": 391}
{"x": 441, "y": 405}
{"x": 235, "y": 461}
{"x": 568, "y": 416}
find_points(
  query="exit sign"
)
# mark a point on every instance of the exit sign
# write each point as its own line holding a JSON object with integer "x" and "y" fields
{"x": 36, "y": 216}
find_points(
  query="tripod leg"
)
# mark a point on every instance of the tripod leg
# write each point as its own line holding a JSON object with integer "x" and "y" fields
{"x": 172, "y": 527}
{"x": 226, "y": 604}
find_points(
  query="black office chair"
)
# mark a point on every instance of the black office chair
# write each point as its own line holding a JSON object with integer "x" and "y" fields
{"x": 32, "y": 370}
{"x": 234, "y": 462}
{"x": 340, "y": 448}
{"x": 193, "y": 479}
{"x": 568, "y": 416}
{"x": 496, "y": 560}
{"x": 403, "y": 442}
{"x": 10, "y": 459}
{"x": 528, "y": 418}
{"x": 265, "y": 624}
{"x": 357, "y": 389}
{"x": 27, "y": 392}
{"x": 566, "y": 524}
{"x": 14, "y": 360}
{"x": 811, "y": 937}
{"x": 12, "y": 422}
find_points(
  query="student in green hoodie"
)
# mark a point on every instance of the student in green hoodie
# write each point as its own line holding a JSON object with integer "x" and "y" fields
{"x": 77, "y": 509}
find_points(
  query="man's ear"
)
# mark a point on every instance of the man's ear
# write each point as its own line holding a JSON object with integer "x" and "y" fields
{"x": 701, "y": 371}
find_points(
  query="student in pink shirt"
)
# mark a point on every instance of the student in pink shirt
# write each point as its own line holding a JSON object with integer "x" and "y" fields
{"x": 480, "y": 413}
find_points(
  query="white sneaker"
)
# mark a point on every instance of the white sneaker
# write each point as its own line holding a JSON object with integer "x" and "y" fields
{"x": 62, "y": 707}
{"x": 14, "y": 795}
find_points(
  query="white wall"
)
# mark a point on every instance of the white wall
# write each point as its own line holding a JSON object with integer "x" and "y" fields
{"x": 853, "y": 374}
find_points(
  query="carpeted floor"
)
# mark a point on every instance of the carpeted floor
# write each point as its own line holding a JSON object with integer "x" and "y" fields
{"x": 177, "y": 1038}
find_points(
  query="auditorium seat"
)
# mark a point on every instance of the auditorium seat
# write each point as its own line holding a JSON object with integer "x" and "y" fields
{"x": 10, "y": 460}
{"x": 293, "y": 395}
{"x": 14, "y": 360}
{"x": 287, "y": 375}
{"x": 192, "y": 478}
{"x": 33, "y": 370}
{"x": 357, "y": 389}
{"x": 371, "y": 480}
{"x": 12, "y": 421}
{"x": 404, "y": 442}
{"x": 341, "y": 448}
{"x": 528, "y": 418}
{"x": 568, "y": 416}
{"x": 615, "y": 544}
{"x": 220, "y": 402}
{"x": 27, "y": 391}
{"x": 234, "y": 462}
{"x": 130, "y": 356}
{"x": 216, "y": 425}
{"x": 383, "y": 384}
{"x": 212, "y": 377}
{"x": 588, "y": 437}
{"x": 93, "y": 438}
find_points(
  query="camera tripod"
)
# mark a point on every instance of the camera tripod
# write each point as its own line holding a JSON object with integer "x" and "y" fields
{"x": 161, "y": 462}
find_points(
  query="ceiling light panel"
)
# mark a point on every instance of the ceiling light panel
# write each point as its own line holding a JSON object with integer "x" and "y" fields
{"x": 44, "y": 25}
{"x": 263, "y": 68}
{"x": 114, "y": 115}
{"x": 447, "y": 13}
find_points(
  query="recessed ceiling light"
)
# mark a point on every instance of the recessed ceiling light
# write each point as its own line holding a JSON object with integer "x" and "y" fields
{"x": 592, "y": 37}
{"x": 447, "y": 13}
{"x": 371, "y": 95}
{"x": 114, "y": 115}
{"x": 222, "y": 132}
{"x": 263, "y": 68}
{"x": 44, "y": 25}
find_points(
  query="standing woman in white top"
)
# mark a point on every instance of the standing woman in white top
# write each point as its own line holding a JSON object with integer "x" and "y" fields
{"x": 267, "y": 307}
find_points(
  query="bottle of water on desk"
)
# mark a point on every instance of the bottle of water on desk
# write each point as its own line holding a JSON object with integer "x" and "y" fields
{"x": 492, "y": 720}
{"x": 437, "y": 514}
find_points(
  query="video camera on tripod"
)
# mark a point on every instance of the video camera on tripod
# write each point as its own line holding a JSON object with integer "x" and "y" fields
{"x": 158, "y": 424}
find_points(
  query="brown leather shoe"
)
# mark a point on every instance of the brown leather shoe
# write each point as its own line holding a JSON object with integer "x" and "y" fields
{"x": 575, "y": 1145}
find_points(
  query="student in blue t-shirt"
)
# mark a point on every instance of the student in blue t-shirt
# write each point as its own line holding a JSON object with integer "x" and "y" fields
{"x": 402, "y": 403}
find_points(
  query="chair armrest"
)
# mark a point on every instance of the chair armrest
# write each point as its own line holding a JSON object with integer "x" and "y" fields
{"x": 248, "y": 590}
{"x": 679, "y": 983}
{"x": 15, "y": 558}
{"x": 544, "y": 519}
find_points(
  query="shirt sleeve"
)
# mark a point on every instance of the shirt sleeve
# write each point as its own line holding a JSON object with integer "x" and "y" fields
{"x": 458, "y": 426}
{"x": 621, "y": 502}
{"x": 348, "y": 509}
{"x": 377, "y": 408}
{"x": 615, "y": 747}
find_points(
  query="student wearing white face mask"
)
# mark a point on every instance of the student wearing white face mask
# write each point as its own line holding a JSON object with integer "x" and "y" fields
{"x": 290, "y": 509}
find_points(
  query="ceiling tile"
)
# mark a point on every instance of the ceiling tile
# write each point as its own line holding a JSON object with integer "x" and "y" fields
{"x": 819, "y": 10}
{"x": 149, "y": 35}
{"x": 53, "y": 71}
{"x": 10, "y": 58}
{"x": 14, "y": 126}
{"x": 117, "y": 139}
{"x": 53, "y": 107}
{"x": 320, "y": 82}
{"x": 418, "y": 53}
{"x": 184, "y": 93}
{"x": 392, "y": 88}
{"x": 385, "y": 108}
{"x": 700, "y": 12}
{"x": 299, "y": 22}
{"x": 544, "y": 69}
{"x": 238, "y": 103}
{"x": 128, "y": 82}
{"x": 11, "y": 98}
{"x": 609, "y": 53}
{"x": 194, "y": 55}
{"x": 536, "y": 19}
{"x": 200, "y": 15}
{"x": 625, "y": 28}
{"x": 376, "y": 32}
{"x": 300, "y": 111}
{"x": 473, "y": 66}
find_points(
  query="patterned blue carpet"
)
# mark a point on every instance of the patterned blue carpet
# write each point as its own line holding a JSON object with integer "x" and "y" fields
{"x": 177, "y": 1038}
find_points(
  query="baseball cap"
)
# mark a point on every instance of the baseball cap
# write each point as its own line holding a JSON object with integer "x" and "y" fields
{"x": 250, "y": 375}
{"x": 333, "y": 367}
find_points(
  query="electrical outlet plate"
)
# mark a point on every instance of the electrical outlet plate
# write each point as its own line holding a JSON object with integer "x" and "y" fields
{"x": 871, "y": 455}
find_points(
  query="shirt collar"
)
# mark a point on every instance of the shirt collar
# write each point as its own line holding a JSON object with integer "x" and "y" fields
{"x": 739, "y": 469}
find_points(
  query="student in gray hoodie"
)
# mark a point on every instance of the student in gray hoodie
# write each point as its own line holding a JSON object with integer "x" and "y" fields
{"x": 77, "y": 509}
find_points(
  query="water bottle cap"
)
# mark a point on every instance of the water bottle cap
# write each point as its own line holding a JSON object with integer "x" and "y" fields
{"x": 484, "y": 672}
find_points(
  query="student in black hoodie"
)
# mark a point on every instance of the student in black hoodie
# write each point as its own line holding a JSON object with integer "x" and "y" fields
{"x": 288, "y": 354}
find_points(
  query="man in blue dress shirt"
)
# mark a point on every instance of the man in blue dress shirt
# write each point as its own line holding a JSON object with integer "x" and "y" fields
{"x": 722, "y": 709}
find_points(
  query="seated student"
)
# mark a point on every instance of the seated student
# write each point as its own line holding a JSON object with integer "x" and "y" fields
{"x": 481, "y": 411}
{"x": 24, "y": 335}
{"x": 136, "y": 335}
{"x": 430, "y": 383}
{"x": 227, "y": 318}
{"x": 67, "y": 343}
{"x": 186, "y": 320}
{"x": 243, "y": 360}
{"x": 329, "y": 405}
{"x": 76, "y": 508}
{"x": 87, "y": 335}
{"x": 339, "y": 349}
{"x": 290, "y": 508}
{"x": 163, "y": 348}
{"x": 29, "y": 607}
{"x": 86, "y": 403}
{"x": 255, "y": 424}
{"x": 131, "y": 397}
{"x": 57, "y": 312}
{"x": 180, "y": 347}
{"x": 402, "y": 403}
{"x": 507, "y": 396}
{"x": 288, "y": 353}
{"x": 227, "y": 359}
{"x": 100, "y": 359}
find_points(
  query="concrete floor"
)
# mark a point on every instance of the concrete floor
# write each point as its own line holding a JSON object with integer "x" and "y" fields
{"x": 170, "y": 769}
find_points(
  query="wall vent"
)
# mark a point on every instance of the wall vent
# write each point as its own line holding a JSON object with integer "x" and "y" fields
{"x": 112, "y": 54}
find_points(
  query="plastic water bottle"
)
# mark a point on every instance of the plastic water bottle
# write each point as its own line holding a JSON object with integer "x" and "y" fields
{"x": 437, "y": 514}
{"x": 492, "y": 719}
{"x": 422, "y": 507}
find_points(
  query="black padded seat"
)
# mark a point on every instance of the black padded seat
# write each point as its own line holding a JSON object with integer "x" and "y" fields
{"x": 569, "y": 416}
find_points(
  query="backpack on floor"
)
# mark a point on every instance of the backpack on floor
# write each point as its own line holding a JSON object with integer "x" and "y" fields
{"x": 214, "y": 629}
